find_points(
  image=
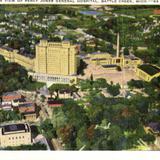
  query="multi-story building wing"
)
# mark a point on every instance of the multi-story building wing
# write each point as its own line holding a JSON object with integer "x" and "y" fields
{"x": 56, "y": 58}
{"x": 55, "y": 62}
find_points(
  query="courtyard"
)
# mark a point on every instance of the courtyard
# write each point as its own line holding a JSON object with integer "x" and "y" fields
{"x": 121, "y": 77}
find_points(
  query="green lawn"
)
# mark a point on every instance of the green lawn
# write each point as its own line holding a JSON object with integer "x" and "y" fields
{"x": 135, "y": 12}
{"x": 34, "y": 86}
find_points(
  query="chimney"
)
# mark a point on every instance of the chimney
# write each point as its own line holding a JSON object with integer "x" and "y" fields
{"x": 117, "y": 54}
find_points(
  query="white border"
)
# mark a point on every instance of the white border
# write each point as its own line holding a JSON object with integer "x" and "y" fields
{"x": 79, "y": 155}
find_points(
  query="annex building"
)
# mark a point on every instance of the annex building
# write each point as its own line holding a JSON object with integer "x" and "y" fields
{"x": 147, "y": 72}
{"x": 112, "y": 61}
{"x": 15, "y": 135}
{"x": 54, "y": 61}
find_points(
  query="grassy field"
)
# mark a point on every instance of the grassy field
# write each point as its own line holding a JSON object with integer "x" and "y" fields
{"x": 35, "y": 85}
{"x": 135, "y": 12}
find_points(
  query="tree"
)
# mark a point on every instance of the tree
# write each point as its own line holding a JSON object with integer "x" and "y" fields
{"x": 36, "y": 146}
{"x": 100, "y": 83}
{"x": 9, "y": 116}
{"x": 91, "y": 77}
{"x": 47, "y": 129}
{"x": 43, "y": 98}
{"x": 85, "y": 85}
{"x": 126, "y": 51}
{"x": 82, "y": 139}
{"x": 59, "y": 118}
{"x": 114, "y": 90}
{"x": 136, "y": 84}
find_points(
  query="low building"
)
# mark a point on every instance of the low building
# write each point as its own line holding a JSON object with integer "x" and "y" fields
{"x": 17, "y": 102}
{"x": 121, "y": 60}
{"x": 28, "y": 111}
{"x": 6, "y": 107}
{"x": 65, "y": 94}
{"x": 90, "y": 43}
{"x": 55, "y": 103}
{"x": 147, "y": 72}
{"x": 8, "y": 97}
{"x": 105, "y": 59}
{"x": 15, "y": 135}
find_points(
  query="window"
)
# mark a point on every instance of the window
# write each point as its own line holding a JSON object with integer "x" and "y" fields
{"x": 117, "y": 60}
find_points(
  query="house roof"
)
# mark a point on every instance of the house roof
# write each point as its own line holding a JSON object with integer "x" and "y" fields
{"x": 55, "y": 103}
{"x": 26, "y": 108}
{"x": 10, "y": 94}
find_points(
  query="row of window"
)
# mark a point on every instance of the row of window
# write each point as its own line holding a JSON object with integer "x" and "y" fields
{"x": 55, "y": 79}
{"x": 20, "y": 137}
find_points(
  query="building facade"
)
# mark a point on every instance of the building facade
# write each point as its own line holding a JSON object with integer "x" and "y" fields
{"x": 13, "y": 56}
{"x": 56, "y": 58}
{"x": 53, "y": 59}
{"x": 147, "y": 72}
{"x": 15, "y": 135}
{"x": 108, "y": 59}
{"x": 8, "y": 97}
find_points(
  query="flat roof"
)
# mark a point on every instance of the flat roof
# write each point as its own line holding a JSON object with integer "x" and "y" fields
{"x": 109, "y": 66}
{"x": 15, "y": 127}
{"x": 52, "y": 102}
{"x": 93, "y": 53}
{"x": 27, "y": 104}
{"x": 149, "y": 69}
{"x": 10, "y": 94}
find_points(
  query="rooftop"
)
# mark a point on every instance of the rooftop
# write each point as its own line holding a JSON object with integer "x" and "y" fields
{"x": 10, "y": 94}
{"x": 6, "y": 48}
{"x": 55, "y": 103}
{"x": 131, "y": 57}
{"x": 21, "y": 127}
{"x": 26, "y": 108}
{"x": 93, "y": 53}
{"x": 19, "y": 100}
{"x": 149, "y": 69}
